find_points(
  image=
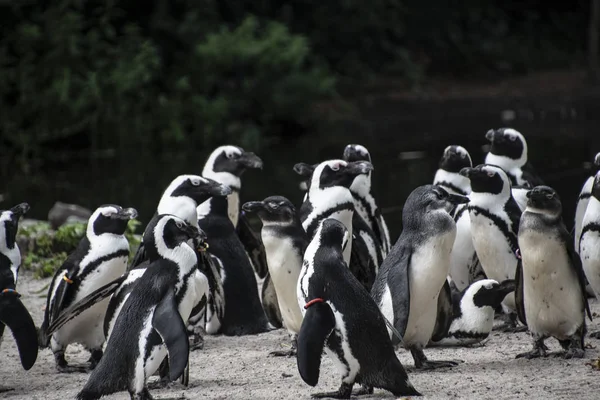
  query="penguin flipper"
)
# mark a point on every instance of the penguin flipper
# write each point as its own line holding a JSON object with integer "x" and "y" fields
{"x": 14, "y": 314}
{"x": 577, "y": 266}
{"x": 170, "y": 326}
{"x": 138, "y": 258}
{"x": 88, "y": 301}
{"x": 253, "y": 245}
{"x": 317, "y": 325}
{"x": 444, "y": 313}
{"x": 270, "y": 303}
{"x": 519, "y": 292}
{"x": 361, "y": 264}
{"x": 398, "y": 278}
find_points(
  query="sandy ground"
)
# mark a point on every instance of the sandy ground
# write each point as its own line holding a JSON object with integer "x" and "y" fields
{"x": 240, "y": 368}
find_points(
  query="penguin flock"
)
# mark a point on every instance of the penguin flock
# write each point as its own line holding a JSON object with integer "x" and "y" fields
{"x": 480, "y": 242}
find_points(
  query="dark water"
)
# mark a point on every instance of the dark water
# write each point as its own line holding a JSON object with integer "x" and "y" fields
{"x": 406, "y": 141}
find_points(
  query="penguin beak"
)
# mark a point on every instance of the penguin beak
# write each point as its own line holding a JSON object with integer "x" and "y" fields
{"x": 358, "y": 168}
{"x": 197, "y": 234}
{"x": 216, "y": 189}
{"x": 304, "y": 170}
{"x": 250, "y": 160}
{"x": 503, "y": 289}
{"x": 128, "y": 213}
{"x": 457, "y": 199}
{"x": 466, "y": 172}
{"x": 253, "y": 206}
{"x": 19, "y": 210}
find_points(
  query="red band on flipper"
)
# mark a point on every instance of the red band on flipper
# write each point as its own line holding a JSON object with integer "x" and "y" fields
{"x": 313, "y": 301}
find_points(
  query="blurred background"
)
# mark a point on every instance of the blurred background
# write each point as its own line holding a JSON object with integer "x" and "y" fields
{"x": 107, "y": 101}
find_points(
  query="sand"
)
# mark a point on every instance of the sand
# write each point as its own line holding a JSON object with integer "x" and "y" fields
{"x": 240, "y": 368}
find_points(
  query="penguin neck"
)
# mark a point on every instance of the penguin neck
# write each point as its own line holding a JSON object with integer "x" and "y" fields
{"x": 10, "y": 260}
{"x": 453, "y": 182}
{"x": 489, "y": 201}
{"x": 214, "y": 206}
{"x": 233, "y": 200}
{"x": 361, "y": 192}
{"x": 361, "y": 185}
{"x": 180, "y": 206}
{"x": 506, "y": 163}
{"x": 592, "y": 212}
{"x": 182, "y": 255}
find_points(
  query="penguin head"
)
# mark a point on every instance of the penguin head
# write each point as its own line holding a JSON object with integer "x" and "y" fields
{"x": 226, "y": 164}
{"x": 544, "y": 200}
{"x": 508, "y": 143}
{"x": 194, "y": 187}
{"x": 356, "y": 152}
{"x": 9, "y": 225}
{"x": 338, "y": 173}
{"x": 597, "y": 161}
{"x": 272, "y": 210}
{"x": 455, "y": 158}
{"x": 430, "y": 200}
{"x": 596, "y": 186}
{"x": 489, "y": 179}
{"x": 166, "y": 232}
{"x": 332, "y": 233}
{"x": 488, "y": 292}
{"x": 110, "y": 218}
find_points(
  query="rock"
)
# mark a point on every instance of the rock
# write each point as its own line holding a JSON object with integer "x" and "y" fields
{"x": 62, "y": 213}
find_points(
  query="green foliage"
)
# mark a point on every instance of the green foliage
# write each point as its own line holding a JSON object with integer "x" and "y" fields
{"x": 47, "y": 249}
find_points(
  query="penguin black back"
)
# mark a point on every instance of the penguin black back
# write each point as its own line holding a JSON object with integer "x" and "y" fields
{"x": 244, "y": 314}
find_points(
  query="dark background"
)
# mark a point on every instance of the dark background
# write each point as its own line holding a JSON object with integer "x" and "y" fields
{"x": 107, "y": 101}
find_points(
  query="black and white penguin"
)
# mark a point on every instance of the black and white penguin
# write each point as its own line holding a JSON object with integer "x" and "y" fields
{"x": 464, "y": 265}
{"x": 341, "y": 318}
{"x": 364, "y": 202}
{"x": 285, "y": 242}
{"x": 473, "y": 312}
{"x": 100, "y": 257}
{"x": 411, "y": 289}
{"x": 550, "y": 293}
{"x": 181, "y": 198}
{"x": 151, "y": 323}
{"x": 495, "y": 219}
{"x": 582, "y": 202}
{"x": 329, "y": 196}
{"x": 244, "y": 314}
{"x": 13, "y": 313}
{"x": 589, "y": 246}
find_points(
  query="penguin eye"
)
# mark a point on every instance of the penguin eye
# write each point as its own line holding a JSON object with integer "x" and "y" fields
{"x": 491, "y": 174}
{"x": 230, "y": 155}
{"x": 179, "y": 224}
{"x": 550, "y": 196}
{"x": 195, "y": 182}
{"x": 274, "y": 206}
{"x": 512, "y": 138}
{"x": 335, "y": 167}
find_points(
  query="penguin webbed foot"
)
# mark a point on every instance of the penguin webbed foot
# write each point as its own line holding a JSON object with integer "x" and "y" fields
{"x": 364, "y": 390}
{"x": 421, "y": 361}
{"x": 196, "y": 341}
{"x": 287, "y": 353}
{"x": 510, "y": 324}
{"x": 344, "y": 392}
{"x": 573, "y": 346}
{"x": 64, "y": 368}
{"x": 539, "y": 350}
{"x": 94, "y": 359}
{"x": 143, "y": 395}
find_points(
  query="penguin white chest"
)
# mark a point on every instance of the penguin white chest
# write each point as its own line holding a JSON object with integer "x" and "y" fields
{"x": 427, "y": 273}
{"x": 284, "y": 265}
{"x": 88, "y": 327}
{"x": 552, "y": 296}
{"x": 462, "y": 252}
{"x": 589, "y": 248}
{"x": 493, "y": 249}
{"x": 580, "y": 212}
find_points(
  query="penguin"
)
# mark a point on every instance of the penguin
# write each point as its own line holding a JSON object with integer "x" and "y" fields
{"x": 364, "y": 202}
{"x": 473, "y": 312}
{"x": 550, "y": 283}
{"x": 448, "y": 174}
{"x": 101, "y": 256}
{"x": 495, "y": 219}
{"x": 152, "y": 321}
{"x": 244, "y": 314}
{"x": 341, "y": 318}
{"x": 411, "y": 289}
{"x": 589, "y": 246}
{"x": 285, "y": 242}
{"x": 181, "y": 198}
{"x": 329, "y": 196}
{"x": 13, "y": 313}
{"x": 582, "y": 203}
{"x": 464, "y": 265}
